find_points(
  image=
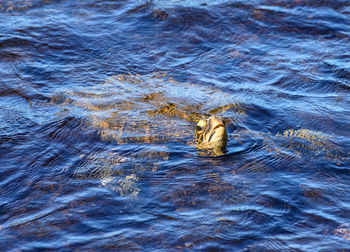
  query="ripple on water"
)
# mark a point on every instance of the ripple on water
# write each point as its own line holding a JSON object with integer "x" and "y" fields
{"x": 14, "y": 126}
{"x": 99, "y": 100}
{"x": 343, "y": 231}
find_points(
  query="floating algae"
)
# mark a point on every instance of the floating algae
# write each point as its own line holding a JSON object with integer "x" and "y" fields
{"x": 311, "y": 144}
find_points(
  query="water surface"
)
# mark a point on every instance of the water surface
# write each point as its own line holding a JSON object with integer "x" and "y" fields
{"x": 99, "y": 101}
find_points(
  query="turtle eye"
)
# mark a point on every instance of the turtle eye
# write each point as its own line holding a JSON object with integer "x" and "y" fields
{"x": 198, "y": 128}
{"x": 199, "y": 138}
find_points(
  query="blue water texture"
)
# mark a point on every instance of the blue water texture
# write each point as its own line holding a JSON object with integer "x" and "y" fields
{"x": 99, "y": 100}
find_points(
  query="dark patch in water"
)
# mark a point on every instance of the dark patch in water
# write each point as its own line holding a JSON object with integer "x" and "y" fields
{"x": 99, "y": 100}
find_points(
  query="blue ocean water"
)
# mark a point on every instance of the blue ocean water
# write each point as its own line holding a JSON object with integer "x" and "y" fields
{"x": 99, "y": 101}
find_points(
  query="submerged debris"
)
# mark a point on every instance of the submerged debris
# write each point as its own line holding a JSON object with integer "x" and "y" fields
{"x": 343, "y": 231}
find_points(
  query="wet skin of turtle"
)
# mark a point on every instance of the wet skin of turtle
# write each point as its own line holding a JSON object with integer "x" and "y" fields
{"x": 211, "y": 136}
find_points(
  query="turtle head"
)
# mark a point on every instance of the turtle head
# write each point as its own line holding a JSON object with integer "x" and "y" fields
{"x": 211, "y": 134}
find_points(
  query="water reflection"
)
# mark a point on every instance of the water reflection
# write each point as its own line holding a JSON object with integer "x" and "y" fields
{"x": 99, "y": 101}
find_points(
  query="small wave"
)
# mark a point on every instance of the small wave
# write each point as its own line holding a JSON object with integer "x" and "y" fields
{"x": 65, "y": 129}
